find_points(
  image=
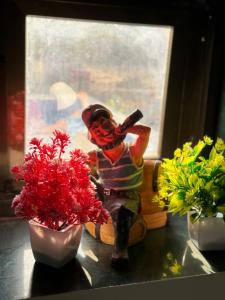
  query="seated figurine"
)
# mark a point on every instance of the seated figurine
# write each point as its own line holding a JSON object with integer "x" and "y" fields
{"x": 119, "y": 168}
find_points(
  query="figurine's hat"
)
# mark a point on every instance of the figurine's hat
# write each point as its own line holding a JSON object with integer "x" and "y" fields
{"x": 93, "y": 112}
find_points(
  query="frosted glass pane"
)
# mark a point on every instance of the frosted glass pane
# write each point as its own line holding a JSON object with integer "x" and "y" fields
{"x": 72, "y": 63}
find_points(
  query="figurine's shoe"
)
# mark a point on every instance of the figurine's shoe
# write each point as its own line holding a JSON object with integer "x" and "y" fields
{"x": 120, "y": 264}
{"x": 118, "y": 254}
{"x": 120, "y": 259}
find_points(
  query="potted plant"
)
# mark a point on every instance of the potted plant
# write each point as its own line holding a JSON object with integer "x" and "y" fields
{"x": 193, "y": 184}
{"x": 57, "y": 198}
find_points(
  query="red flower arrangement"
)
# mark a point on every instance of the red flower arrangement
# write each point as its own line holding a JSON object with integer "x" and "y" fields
{"x": 57, "y": 192}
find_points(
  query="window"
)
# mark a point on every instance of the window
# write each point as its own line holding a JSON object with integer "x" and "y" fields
{"x": 167, "y": 37}
{"x": 72, "y": 63}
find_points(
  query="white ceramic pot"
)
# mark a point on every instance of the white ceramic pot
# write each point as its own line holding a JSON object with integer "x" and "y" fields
{"x": 52, "y": 247}
{"x": 208, "y": 233}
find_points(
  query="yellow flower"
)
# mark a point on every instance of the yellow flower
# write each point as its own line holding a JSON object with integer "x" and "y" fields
{"x": 207, "y": 140}
{"x": 216, "y": 162}
{"x": 187, "y": 149}
{"x": 187, "y": 145}
{"x": 163, "y": 192}
{"x": 175, "y": 202}
{"x": 177, "y": 152}
{"x": 220, "y": 145}
{"x": 175, "y": 268}
{"x": 162, "y": 204}
{"x": 160, "y": 200}
{"x": 219, "y": 159}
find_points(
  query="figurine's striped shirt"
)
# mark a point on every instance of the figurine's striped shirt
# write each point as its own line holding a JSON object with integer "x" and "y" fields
{"x": 123, "y": 174}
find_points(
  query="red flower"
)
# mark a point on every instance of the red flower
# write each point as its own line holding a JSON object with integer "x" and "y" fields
{"x": 56, "y": 192}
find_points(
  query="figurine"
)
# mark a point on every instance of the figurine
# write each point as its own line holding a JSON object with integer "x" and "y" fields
{"x": 119, "y": 169}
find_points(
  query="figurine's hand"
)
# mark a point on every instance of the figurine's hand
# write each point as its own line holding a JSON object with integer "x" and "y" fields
{"x": 98, "y": 187}
{"x": 118, "y": 131}
{"x": 92, "y": 158}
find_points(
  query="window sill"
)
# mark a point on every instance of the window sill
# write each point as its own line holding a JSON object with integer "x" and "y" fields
{"x": 166, "y": 253}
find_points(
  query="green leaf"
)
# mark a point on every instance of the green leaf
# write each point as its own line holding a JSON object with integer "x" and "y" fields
{"x": 181, "y": 195}
{"x": 188, "y": 160}
{"x": 198, "y": 148}
{"x": 192, "y": 180}
{"x": 212, "y": 154}
{"x": 200, "y": 183}
{"x": 202, "y": 158}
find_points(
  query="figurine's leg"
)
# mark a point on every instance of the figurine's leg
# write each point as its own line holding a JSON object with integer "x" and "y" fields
{"x": 122, "y": 221}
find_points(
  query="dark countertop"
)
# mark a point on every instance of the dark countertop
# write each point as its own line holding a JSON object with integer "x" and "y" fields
{"x": 165, "y": 253}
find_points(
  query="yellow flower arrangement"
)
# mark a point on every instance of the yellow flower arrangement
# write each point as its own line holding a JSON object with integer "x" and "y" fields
{"x": 190, "y": 182}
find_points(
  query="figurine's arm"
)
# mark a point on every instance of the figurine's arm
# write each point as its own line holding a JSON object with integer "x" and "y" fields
{"x": 139, "y": 146}
{"x": 92, "y": 155}
{"x": 93, "y": 163}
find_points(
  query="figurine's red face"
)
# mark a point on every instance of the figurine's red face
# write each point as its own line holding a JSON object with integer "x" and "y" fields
{"x": 103, "y": 131}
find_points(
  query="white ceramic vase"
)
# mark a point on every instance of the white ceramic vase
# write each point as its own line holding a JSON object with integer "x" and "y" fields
{"x": 208, "y": 234}
{"x": 52, "y": 247}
